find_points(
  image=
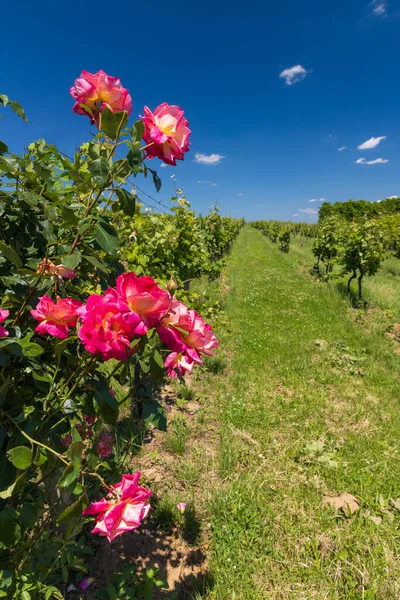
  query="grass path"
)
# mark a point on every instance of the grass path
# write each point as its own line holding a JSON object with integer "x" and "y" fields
{"x": 308, "y": 407}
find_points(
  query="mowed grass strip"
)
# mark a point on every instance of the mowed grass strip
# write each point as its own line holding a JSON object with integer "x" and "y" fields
{"x": 308, "y": 408}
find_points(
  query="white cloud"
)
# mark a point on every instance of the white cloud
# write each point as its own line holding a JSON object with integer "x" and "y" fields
{"x": 342, "y": 148}
{"x": 317, "y": 200}
{"x": 294, "y": 74}
{"x": 240, "y": 194}
{"x": 379, "y": 7}
{"x": 206, "y": 182}
{"x": 308, "y": 211}
{"x": 295, "y": 215}
{"x": 208, "y": 159}
{"x": 313, "y": 200}
{"x": 163, "y": 165}
{"x": 377, "y": 161}
{"x": 371, "y": 143}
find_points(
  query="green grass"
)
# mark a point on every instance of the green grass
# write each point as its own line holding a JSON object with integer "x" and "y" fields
{"x": 176, "y": 437}
{"x": 308, "y": 406}
{"x": 383, "y": 289}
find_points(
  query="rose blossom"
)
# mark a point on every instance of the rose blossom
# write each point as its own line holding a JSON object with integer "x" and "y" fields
{"x": 56, "y": 317}
{"x": 181, "y": 506}
{"x": 123, "y": 509}
{"x": 182, "y": 362}
{"x": 103, "y": 445}
{"x": 166, "y": 132}
{"x": 142, "y": 296}
{"x": 97, "y": 92}
{"x": 3, "y": 316}
{"x": 47, "y": 267}
{"x": 66, "y": 440}
{"x": 188, "y": 336}
{"x": 104, "y": 329}
{"x": 63, "y": 272}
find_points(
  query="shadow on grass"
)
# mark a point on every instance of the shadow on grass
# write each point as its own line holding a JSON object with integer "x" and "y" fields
{"x": 351, "y": 296}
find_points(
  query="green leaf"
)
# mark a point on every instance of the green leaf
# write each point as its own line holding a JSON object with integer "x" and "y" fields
{"x": 156, "y": 180}
{"x": 135, "y": 159}
{"x": 69, "y": 216}
{"x": 17, "y": 108}
{"x": 154, "y": 414}
{"x": 122, "y": 168}
{"x": 127, "y": 202}
{"x": 106, "y": 405}
{"x": 40, "y": 456}
{"x": 111, "y": 591}
{"x": 48, "y": 231}
{"x": 10, "y": 532}
{"x": 137, "y": 131}
{"x": 30, "y": 349}
{"x": 11, "y": 255}
{"x": 70, "y": 473}
{"x": 3, "y": 148}
{"x": 21, "y": 457}
{"x": 74, "y": 510}
{"x": 157, "y": 369}
{"x": 100, "y": 171}
{"x": 76, "y": 450}
{"x": 113, "y": 122}
{"x": 151, "y": 572}
{"x": 71, "y": 260}
{"x": 30, "y": 198}
{"x": 96, "y": 263}
{"x": 14, "y": 488}
{"x": 61, "y": 345}
{"x": 106, "y": 237}
{"x": 28, "y": 515}
{"x": 64, "y": 574}
{"x": 76, "y": 436}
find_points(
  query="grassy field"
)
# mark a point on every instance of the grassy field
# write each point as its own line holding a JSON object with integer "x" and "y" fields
{"x": 382, "y": 289}
{"x": 307, "y": 409}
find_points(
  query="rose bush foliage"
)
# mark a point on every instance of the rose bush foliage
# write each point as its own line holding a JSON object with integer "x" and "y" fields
{"x": 82, "y": 333}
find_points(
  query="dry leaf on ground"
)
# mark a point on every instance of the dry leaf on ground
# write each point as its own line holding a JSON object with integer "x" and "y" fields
{"x": 344, "y": 501}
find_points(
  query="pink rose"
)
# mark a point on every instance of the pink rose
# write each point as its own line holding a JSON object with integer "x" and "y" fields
{"x": 56, "y": 317}
{"x": 3, "y": 316}
{"x": 103, "y": 445}
{"x": 89, "y": 420}
{"x": 104, "y": 329}
{"x": 62, "y": 272}
{"x": 47, "y": 267}
{"x": 123, "y": 509}
{"x": 97, "y": 92}
{"x": 66, "y": 440}
{"x": 166, "y": 132}
{"x": 85, "y": 583}
{"x": 187, "y": 335}
{"x": 181, "y": 362}
{"x": 142, "y": 296}
{"x": 181, "y": 506}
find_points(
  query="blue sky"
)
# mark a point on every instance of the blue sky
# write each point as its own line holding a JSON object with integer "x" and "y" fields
{"x": 221, "y": 62}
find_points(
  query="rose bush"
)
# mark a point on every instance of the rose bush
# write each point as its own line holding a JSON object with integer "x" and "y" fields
{"x": 81, "y": 335}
